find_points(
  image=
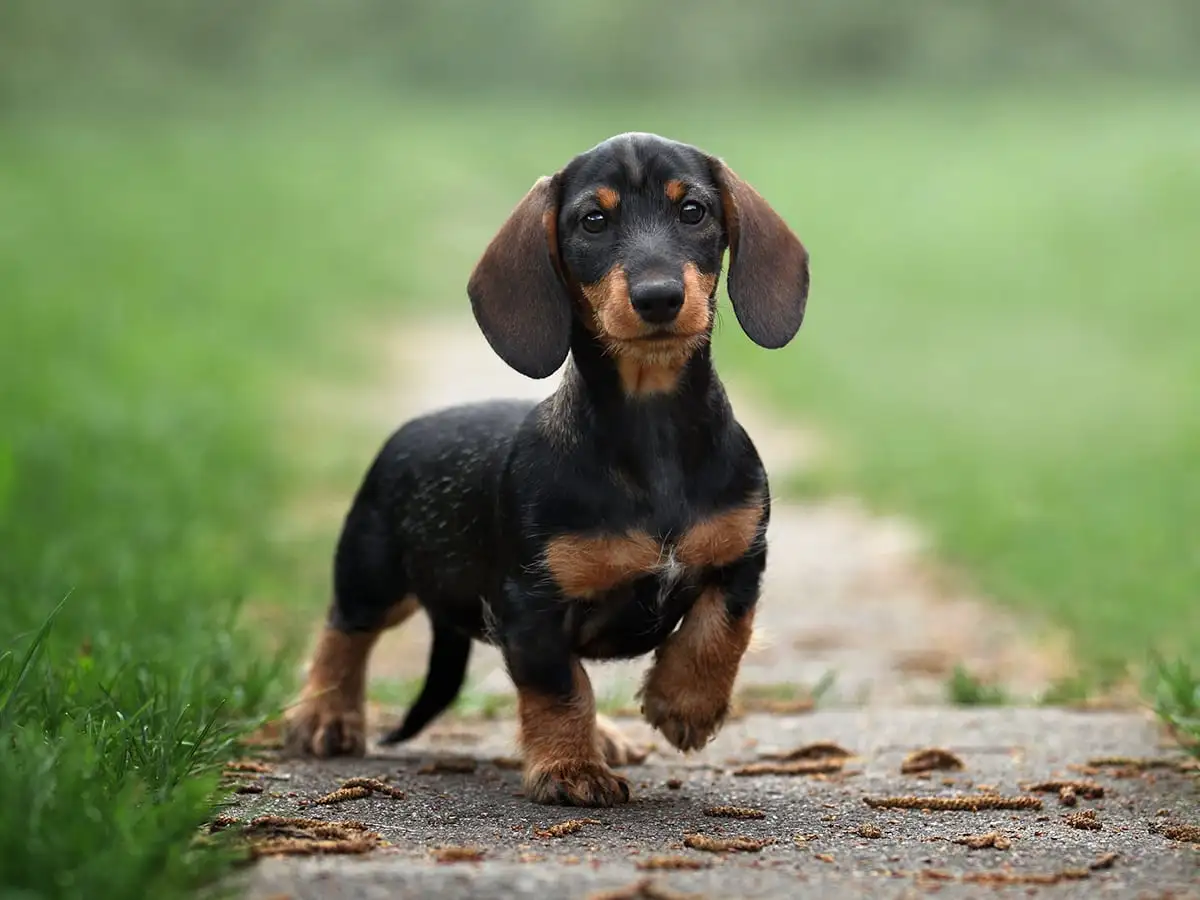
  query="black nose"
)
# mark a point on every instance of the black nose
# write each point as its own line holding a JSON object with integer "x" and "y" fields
{"x": 657, "y": 302}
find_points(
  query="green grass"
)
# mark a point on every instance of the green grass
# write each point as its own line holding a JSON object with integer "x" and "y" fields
{"x": 1175, "y": 688}
{"x": 160, "y": 285}
{"x": 1000, "y": 342}
{"x": 963, "y": 688}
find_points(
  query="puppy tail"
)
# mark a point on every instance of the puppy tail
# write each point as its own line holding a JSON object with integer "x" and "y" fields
{"x": 448, "y": 658}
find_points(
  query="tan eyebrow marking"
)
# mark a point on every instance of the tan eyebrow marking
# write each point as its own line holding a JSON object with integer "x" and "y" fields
{"x": 607, "y": 198}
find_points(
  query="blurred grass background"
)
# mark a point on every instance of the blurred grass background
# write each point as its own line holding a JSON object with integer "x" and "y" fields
{"x": 203, "y": 205}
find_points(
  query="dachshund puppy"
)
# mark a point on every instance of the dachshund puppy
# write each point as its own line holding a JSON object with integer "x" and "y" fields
{"x": 623, "y": 515}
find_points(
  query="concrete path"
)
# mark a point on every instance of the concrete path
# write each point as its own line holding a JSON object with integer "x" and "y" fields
{"x": 847, "y": 594}
{"x": 817, "y": 835}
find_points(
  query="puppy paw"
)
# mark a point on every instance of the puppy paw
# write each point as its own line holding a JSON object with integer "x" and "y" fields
{"x": 575, "y": 783}
{"x": 323, "y": 728}
{"x": 617, "y": 749}
{"x": 687, "y": 719}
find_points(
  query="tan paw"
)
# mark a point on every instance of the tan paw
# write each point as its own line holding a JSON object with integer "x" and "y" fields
{"x": 321, "y": 727}
{"x": 617, "y": 749}
{"x": 575, "y": 783}
{"x": 687, "y": 719}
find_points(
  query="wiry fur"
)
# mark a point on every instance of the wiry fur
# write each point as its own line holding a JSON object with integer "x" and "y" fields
{"x": 594, "y": 524}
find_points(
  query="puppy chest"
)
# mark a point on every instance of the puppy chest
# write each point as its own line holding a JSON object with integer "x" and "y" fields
{"x": 589, "y": 565}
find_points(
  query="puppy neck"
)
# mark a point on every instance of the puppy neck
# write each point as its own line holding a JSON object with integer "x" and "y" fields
{"x": 615, "y": 385}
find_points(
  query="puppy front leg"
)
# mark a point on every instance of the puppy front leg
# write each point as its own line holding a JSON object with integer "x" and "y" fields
{"x": 564, "y": 761}
{"x": 687, "y": 692}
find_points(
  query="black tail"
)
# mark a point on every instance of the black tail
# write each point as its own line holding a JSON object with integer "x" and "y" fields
{"x": 448, "y": 657}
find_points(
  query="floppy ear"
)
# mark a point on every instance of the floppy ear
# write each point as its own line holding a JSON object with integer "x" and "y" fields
{"x": 517, "y": 291}
{"x": 768, "y": 266}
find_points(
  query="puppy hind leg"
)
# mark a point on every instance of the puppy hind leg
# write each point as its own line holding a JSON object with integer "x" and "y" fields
{"x": 370, "y": 596}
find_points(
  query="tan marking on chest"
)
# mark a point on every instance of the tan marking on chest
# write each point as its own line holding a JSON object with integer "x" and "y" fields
{"x": 720, "y": 539}
{"x": 586, "y": 566}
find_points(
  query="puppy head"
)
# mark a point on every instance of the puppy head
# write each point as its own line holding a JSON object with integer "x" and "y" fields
{"x": 628, "y": 238}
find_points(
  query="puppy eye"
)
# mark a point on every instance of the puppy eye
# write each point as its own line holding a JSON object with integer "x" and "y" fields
{"x": 594, "y": 222}
{"x": 691, "y": 213}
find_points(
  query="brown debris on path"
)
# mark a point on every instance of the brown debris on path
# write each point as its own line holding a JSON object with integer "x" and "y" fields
{"x": 957, "y": 804}
{"x": 1189, "y": 834}
{"x": 562, "y": 829}
{"x": 673, "y": 862}
{"x": 930, "y": 760}
{"x": 823, "y": 750}
{"x": 734, "y": 812}
{"x": 358, "y": 789}
{"x": 799, "y": 767}
{"x": 447, "y": 855}
{"x": 1089, "y": 790}
{"x": 341, "y": 795}
{"x": 726, "y": 844}
{"x": 1137, "y": 762}
{"x": 252, "y": 766}
{"x": 1085, "y": 820}
{"x": 993, "y": 839}
{"x": 283, "y": 836}
{"x": 1005, "y": 877}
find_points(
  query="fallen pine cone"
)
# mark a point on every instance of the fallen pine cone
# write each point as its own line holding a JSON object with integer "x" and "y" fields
{"x": 1185, "y": 833}
{"x": 1085, "y": 820}
{"x": 341, "y": 795}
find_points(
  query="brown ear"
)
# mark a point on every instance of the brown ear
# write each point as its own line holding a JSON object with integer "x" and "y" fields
{"x": 768, "y": 266}
{"x": 517, "y": 291}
